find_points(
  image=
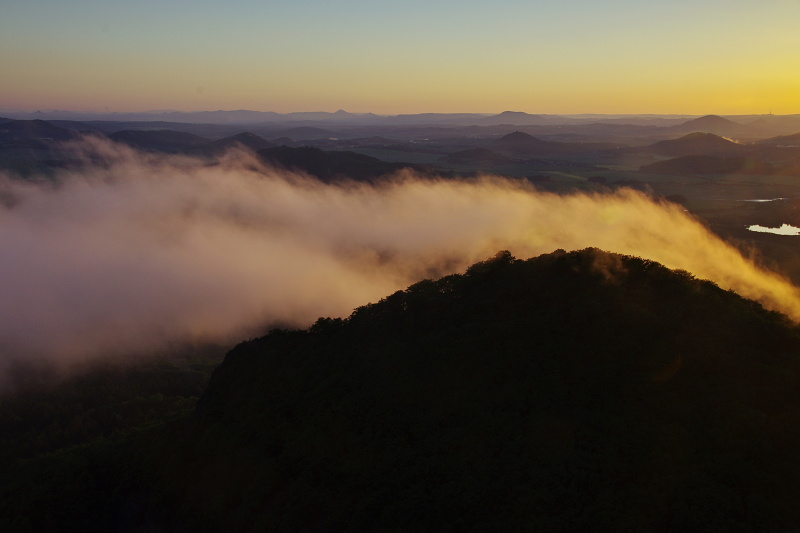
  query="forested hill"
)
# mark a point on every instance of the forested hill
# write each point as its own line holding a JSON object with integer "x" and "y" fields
{"x": 573, "y": 391}
{"x": 580, "y": 391}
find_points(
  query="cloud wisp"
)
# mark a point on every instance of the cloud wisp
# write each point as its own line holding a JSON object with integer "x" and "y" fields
{"x": 136, "y": 251}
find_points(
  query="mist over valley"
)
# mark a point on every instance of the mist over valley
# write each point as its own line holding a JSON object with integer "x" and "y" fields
{"x": 410, "y": 285}
{"x": 399, "y": 266}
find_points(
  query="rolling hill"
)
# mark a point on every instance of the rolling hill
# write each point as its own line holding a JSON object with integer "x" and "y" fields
{"x": 330, "y": 166}
{"x": 572, "y": 391}
{"x": 523, "y": 145}
{"x": 697, "y": 143}
{"x": 244, "y": 139}
{"x": 789, "y": 141}
{"x": 16, "y": 131}
{"x": 516, "y": 118}
{"x": 713, "y": 124}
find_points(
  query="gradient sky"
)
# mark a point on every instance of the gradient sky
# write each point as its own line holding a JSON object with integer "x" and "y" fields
{"x": 551, "y": 56}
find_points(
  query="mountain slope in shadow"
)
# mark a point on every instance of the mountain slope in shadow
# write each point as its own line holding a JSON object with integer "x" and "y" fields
{"x": 334, "y": 165}
{"x": 572, "y": 391}
{"x": 580, "y": 391}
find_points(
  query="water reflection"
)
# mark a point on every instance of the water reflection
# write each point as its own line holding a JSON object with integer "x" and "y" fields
{"x": 761, "y": 200}
{"x": 785, "y": 229}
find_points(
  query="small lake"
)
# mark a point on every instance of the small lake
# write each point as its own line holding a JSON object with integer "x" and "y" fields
{"x": 785, "y": 229}
{"x": 762, "y": 200}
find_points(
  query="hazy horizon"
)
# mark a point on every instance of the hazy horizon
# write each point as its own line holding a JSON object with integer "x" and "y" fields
{"x": 97, "y": 111}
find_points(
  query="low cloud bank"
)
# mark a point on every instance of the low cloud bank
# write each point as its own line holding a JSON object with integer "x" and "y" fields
{"x": 136, "y": 251}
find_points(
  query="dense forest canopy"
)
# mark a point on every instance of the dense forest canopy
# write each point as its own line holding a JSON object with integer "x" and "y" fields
{"x": 572, "y": 391}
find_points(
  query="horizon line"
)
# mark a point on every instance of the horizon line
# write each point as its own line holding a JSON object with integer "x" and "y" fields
{"x": 483, "y": 113}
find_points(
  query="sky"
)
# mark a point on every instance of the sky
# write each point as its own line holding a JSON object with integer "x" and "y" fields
{"x": 390, "y": 57}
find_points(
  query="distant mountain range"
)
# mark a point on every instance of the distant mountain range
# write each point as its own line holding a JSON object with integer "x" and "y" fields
{"x": 707, "y": 153}
{"x": 743, "y": 124}
{"x": 31, "y": 146}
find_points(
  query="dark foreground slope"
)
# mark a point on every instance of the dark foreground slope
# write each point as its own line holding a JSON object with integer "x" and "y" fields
{"x": 580, "y": 391}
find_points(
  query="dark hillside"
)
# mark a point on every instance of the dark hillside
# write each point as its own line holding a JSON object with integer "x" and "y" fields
{"x": 713, "y": 124}
{"x": 34, "y": 147}
{"x": 581, "y": 391}
{"x": 697, "y": 143}
{"x": 330, "y": 166}
{"x": 67, "y": 442}
{"x": 244, "y": 139}
{"x": 791, "y": 141}
{"x": 571, "y": 392}
{"x": 521, "y": 144}
{"x": 33, "y": 130}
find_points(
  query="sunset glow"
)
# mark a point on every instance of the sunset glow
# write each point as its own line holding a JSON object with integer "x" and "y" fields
{"x": 731, "y": 57}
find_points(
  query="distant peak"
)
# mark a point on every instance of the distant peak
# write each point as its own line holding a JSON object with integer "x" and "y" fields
{"x": 517, "y": 135}
{"x": 711, "y": 119}
{"x": 702, "y": 135}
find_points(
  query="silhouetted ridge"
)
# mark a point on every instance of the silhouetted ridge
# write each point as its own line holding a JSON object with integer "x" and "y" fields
{"x": 713, "y": 124}
{"x": 245, "y": 139}
{"x": 33, "y": 130}
{"x": 521, "y": 138}
{"x": 697, "y": 143}
{"x": 521, "y": 144}
{"x": 330, "y": 165}
{"x": 711, "y": 120}
{"x": 792, "y": 141}
{"x": 573, "y": 391}
{"x": 512, "y": 117}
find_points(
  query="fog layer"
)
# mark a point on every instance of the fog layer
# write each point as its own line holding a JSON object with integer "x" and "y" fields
{"x": 141, "y": 251}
